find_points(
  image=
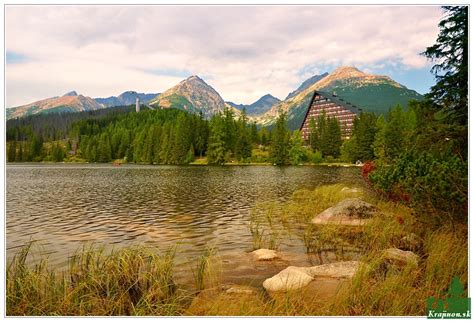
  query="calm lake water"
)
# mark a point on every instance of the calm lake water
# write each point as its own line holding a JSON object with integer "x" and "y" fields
{"x": 62, "y": 206}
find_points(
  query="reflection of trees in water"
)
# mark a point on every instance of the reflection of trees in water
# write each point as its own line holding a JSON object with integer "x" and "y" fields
{"x": 156, "y": 204}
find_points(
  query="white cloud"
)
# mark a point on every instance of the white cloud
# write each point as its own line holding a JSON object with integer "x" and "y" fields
{"x": 243, "y": 52}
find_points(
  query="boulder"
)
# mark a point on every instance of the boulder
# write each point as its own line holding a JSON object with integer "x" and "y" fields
{"x": 350, "y": 212}
{"x": 263, "y": 254}
{"x": 293, "y": 278}
{"x": 400, "y": 257}
{"x": 335, "y": 270}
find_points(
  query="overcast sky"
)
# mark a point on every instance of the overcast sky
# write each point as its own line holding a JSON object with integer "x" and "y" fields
{"x": 243, "y": 52}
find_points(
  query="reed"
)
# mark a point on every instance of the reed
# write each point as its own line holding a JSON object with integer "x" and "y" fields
{"x": 206, "y": 270}
{"x": 131, "y": 281}
{"x": 140, "y": 281}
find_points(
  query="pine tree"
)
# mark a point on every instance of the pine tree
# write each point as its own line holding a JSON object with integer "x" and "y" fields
{"x": 105, "y": 151}
{"x": 157, "y": 144}
{"x": 451, "y": 54}
{"x": 363, "y": 135}
{"x": 280, "y": 144}
{"x": 243, "y": 149}
{"x": 20, "y": 156}
{"x": 216, "y": 146}
{"x": 36, "y": 148}
{"x": 57, "y": 152}
{"x": 201, "y": 135}
{"x": 297, "y": 151}
{"x": 165, "y": 144}
{"x": 190, "y": 155}
{"x": 181, "y": 141}
{"x": 264, "y": 136}
{"x": 11, "y": 154}
{"x": 150, "y": 145}
{"x": 254, "y": 133}
{"x": 229, "y": 131}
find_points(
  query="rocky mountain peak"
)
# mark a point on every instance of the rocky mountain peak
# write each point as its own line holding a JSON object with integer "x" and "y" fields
{"x": 71, "y": 93}
{"x": 347, "y": 72}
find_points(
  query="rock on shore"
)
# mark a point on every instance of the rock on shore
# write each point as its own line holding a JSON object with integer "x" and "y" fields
{"x": 264, "y": 254}
{"x": 350, "y": 212}
{"x": 293, "y": 278}
{"x": 400, "y": 257}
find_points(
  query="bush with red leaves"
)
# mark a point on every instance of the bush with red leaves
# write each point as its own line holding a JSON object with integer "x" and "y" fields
{"x": 367, "y": 168}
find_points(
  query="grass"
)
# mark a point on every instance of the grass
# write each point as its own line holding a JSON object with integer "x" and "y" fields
{"x": 140, "y": 281}
{"x": 131, "y": 281}
{"x": 206, "y": 270}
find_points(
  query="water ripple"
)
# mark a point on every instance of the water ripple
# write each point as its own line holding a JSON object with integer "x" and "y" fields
{"x": 67, "y": 205}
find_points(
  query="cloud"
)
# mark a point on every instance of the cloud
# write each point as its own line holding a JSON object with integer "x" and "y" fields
{"x": 244, "y": 52}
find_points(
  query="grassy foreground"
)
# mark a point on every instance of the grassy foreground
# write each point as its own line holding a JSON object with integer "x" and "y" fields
{"x": 140, "y": 281}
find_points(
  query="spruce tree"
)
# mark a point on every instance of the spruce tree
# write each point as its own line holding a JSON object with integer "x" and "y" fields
{"x": 297, "y": 151}
{"x": 243, "y": 149}
{"x": 450, "y": 52}
{"x": 11, "y": 154}
{"x": 280, "y": 141}
{"x": 216, "y": 146}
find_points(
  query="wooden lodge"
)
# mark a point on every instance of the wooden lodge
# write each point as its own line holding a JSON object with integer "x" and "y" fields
{"x": 332, "y": 106}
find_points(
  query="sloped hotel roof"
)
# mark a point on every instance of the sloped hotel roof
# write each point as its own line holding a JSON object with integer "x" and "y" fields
{"x": 334, "y": 98}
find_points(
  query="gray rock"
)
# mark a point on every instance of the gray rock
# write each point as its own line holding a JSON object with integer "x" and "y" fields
{"x": 293, "y": 278}
{"x": 400, "y": 257}
{"x": 351, "y": 212}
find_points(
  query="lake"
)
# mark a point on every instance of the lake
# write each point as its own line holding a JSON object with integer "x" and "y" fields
{"x": 62, "y": 206}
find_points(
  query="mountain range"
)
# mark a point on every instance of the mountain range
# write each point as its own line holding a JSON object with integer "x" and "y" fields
{"x": 373, "y": 93}
{"x": 126, "y": 98}
{"x": 258, "y": 107}
{"x": 69, "y": 102}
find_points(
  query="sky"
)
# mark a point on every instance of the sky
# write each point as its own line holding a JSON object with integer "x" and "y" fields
{"x": 244, "y": 52}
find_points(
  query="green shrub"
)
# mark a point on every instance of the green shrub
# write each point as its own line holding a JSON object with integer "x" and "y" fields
{"x": 429, "y": 182}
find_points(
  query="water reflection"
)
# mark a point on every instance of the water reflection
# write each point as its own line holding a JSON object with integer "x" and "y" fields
{"x": 63, "y": 206}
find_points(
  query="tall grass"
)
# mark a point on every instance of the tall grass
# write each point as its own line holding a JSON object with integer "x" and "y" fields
{"x": 267, "y": 226}
{"x": 140, "y": 281}
{"x": 206, "y": 270}
{"x": 131, "y": 281}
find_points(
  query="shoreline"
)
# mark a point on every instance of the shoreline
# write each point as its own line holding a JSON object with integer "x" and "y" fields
{"x": 227, "y": 164}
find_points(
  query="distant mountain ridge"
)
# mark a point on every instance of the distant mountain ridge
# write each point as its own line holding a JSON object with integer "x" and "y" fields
{"x": 371, "y": 93}
{"x": 307, "y": 83}
{"x": 258, "y": 107}
{"x": 69, "y": 102}
{"x": 126, "y": 98}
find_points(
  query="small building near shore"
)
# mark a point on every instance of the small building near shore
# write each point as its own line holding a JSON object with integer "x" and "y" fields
{"x": 333, "y": 106}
